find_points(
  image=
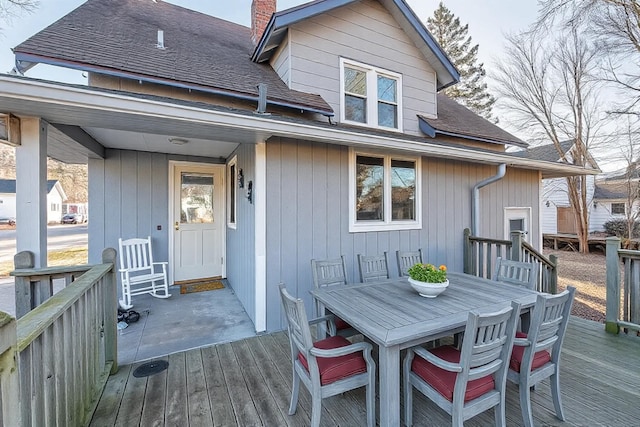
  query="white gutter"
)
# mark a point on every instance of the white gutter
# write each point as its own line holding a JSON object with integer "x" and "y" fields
{"x": 475, "y": 197}
{"x": 30, "y": 94}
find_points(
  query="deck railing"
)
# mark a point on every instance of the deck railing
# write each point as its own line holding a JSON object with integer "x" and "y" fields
{"x": 56, "y": 358}
{"x": 623, "y": 297}
{"x": 35, "y": 286}
{"x": 480, "y": 254}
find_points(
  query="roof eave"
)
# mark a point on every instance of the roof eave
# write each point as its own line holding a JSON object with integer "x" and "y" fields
{"x": 33, "y": 59}
{"x": 431, "y": 131}
{"x": 50, "y": 94}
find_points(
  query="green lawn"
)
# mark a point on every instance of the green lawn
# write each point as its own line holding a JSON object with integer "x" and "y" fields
{"x": 75, "y": 256}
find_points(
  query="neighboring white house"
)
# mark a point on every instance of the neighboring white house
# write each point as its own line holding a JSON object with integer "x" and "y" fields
{"x": 556, "y": 215}
{"x": 55, "y": 197}
{"x": 611, "y": 201}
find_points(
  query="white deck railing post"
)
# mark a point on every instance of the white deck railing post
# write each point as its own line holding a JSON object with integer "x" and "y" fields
{"x": 613, "y": 286}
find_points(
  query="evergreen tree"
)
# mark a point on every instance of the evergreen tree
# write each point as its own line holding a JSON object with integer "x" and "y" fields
{"x": 453, "y": 37}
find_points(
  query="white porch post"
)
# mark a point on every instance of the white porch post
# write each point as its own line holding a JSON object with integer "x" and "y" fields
{"x": 260, "y": 203}
{"x": 31, "y": 189}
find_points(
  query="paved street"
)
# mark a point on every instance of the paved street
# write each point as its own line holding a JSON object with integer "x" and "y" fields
{"x": 58, "y": 237}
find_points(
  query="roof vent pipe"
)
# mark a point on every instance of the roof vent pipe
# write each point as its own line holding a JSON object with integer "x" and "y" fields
{"x": 160, "y": 44}
{"x": 475, "y": 197}
{"x": 262, "y": 99}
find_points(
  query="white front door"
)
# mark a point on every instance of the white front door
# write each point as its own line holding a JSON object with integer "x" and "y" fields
{"x": 198, "y": 221}
{"x": 517, "y": 219}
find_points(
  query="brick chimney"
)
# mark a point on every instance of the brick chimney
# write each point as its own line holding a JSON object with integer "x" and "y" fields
{"x": 261, "y": 11}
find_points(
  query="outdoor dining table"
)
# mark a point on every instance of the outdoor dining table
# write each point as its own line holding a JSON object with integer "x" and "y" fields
{"x": 392, "y": 315}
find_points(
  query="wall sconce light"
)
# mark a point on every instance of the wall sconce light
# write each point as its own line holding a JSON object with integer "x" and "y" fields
{"x": 595, "y": 204}
{"x": 250, "y": 191}
{"x": 548, "y": 204}
{"x": 240, "y": 179}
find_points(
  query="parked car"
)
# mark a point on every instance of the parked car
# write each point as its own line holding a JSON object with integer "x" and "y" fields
{"x": 8, "y": 220}
{"x": 72, "y": 218}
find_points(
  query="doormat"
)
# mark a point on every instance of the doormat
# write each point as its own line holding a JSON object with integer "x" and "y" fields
{"x": 207, "y": 285}
{"x": 150, "y": 368}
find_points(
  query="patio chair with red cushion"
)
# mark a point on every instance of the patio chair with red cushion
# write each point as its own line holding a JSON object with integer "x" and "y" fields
{"x": 327, "y": 367}
{"x": 331, "y": 272}
{"x": 465, "y": 382}
{"x": 536, "y": 354}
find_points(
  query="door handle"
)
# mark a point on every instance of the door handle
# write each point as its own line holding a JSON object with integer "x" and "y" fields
{"x": 177, "y": 225}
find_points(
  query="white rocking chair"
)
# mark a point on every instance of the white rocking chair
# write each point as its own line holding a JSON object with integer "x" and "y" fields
{"x": 138, "y": 273}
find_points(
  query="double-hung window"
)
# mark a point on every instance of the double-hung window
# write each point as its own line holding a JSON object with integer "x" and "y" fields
{"x": 370, "y": 96}
{"x": 384, "y": 192}
{"x": 618, "y": 209}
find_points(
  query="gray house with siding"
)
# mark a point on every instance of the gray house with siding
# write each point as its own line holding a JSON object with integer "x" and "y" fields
{"x": 246, "y": 152}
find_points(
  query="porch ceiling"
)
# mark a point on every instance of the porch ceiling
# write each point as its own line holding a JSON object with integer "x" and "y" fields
{"x": 120, "y": 128}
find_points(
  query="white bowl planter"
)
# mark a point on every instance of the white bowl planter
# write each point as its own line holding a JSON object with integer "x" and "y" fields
{"x": 427, "y": 289}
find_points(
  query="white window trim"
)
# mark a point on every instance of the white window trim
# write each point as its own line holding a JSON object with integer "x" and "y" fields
{"x": 618, "y": 214}
{"x": 388, "y": 224}
{"x": 516, "y": 213}
{"x": 372, "y": 94}
{"x": 232, "y": 162}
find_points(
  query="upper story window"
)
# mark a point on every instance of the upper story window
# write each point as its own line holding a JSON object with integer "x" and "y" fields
{"x": 617, "y": 209}
{"x": 370, "y": 96}
{"x": 384, "y": 192}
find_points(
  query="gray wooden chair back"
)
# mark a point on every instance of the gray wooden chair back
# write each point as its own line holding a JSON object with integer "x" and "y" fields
{"x": 406, "y": 260}
{"x": 297, "y": 323}
{"x": 328, "y": 273}
{"x": 549, "y": 323}
{"x": 373, "y": 268}
{"x": 516, "y": 273}
{"x": 486, "y": 350}
{"x": 300, "y": 341}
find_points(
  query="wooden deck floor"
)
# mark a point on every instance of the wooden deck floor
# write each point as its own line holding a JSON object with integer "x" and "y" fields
{"x": 248, "y": 383}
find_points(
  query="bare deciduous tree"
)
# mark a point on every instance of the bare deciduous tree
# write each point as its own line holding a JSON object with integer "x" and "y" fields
{"x": 615, "y": 26}
{"x": 11, "y": 8}
{"x": 550, "y": 86}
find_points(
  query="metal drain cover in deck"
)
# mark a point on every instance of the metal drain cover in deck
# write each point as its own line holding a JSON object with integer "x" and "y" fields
{"x": 150, "y": 368}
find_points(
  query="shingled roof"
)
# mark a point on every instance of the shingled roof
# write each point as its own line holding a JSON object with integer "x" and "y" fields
{"x": 549, "y": 152}
{"x": 610, "y": 191}
{"x": 119, "y": 37}
{"x": 457, "y": 120}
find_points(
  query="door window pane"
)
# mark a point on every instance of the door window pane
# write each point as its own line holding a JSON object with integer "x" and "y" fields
{"x": 369, "y": 188}
{"x": 232, "y": 194}
{"x": 516, "y": 225}
{"x": 196, "y": 198}
{"x": 403, "y": 187}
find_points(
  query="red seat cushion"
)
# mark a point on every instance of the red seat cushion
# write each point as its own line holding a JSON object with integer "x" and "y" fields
{"x": 444, "y": 381}
{"x": 539, "y": 359}
{"x": 336, "y": 368}
{"x": 341, "y": 324}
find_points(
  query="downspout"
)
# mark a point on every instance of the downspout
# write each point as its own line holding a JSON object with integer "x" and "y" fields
{"x": 475, "y": 197}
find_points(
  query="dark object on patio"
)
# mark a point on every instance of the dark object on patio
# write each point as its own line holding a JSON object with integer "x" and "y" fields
{"x": 150, "y": 368}
{"x": 531, "y": 361}
{"x": 128, "y": 316}
{"x": 465, "y": 382}
{"x": 327, "y": 367}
